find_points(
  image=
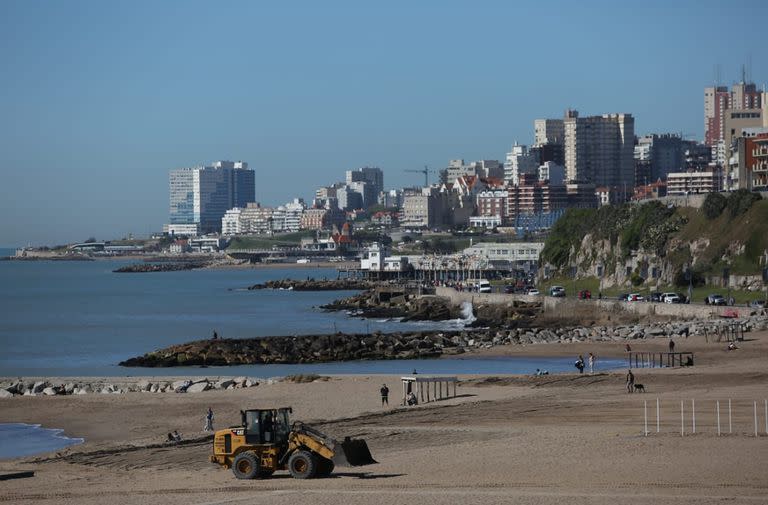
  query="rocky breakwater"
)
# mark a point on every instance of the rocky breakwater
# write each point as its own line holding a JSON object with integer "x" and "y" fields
{"x": 315, "y": 285}
{"x": 398, "y": 303}
{"x": 302, "y": 349}
{"x": 160, "y": 267}
{"x": 21, "y": 387}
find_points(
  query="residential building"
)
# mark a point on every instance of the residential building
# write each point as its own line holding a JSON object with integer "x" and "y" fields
{"x": 685, "y": 183}
{"x": 552, "y": 172}
{"x": 599, "y": 149}
{"x": 718, "y": 99}
{"x": 548, "y": 131}
{"x": 351, "y": 196}
{"x": 371, "y": 181}
{"x": 492, "y": 203}
{"x": 384, "y": 218}
{"x": 513, "y": 252}
{"x": 319, "y": 219}
{"x": 533, "y": 197}
{"x": 391, "y": 199}
{"x": 482, "y": 169}
{"x": 253, "y": 219}
{"x": 661, "y": 154}
{"x": 202, "y": 195}
{"x": 519, "y": 161}
{"x": 753, "y": 161}
{"x": 287, "y": 218}
{"x": 182, "y": 230}
{"x": 650, "y": 191}
{"x": 421, "y": 207}
{"x": 581, "y": 195}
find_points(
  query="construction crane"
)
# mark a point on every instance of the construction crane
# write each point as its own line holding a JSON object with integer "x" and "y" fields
{"x": 426, "y": 171}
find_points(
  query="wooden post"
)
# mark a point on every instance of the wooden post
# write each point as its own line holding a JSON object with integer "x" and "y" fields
{"x": 755, "y": 419}
{"x": 657, "y": 414}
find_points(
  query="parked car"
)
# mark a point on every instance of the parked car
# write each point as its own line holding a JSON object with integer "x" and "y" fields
{"x": 655, "y": 296}
{"x": 715, "y": 300}
{"x": 533, "y": 292}
{"x": 672, "y": 298}
{"x": 585, "y": 294}
{"x": 683, "y": 298}
{"x": 509, "y": 289}
{"x": 623, "y": 297}
{"x": 557, "y": 291}
{"x": 758, "y": 304}
{"x": 664, "y": 297}
{"x": 635, "y": 297}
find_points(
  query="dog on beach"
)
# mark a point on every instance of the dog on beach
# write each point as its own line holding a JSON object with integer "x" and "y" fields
{"x": 639, "y": 388}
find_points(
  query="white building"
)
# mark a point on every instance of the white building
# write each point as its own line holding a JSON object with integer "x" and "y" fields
{"x": 519, "y": 161}
{"x": 552, "y": 172}
{"x": 686, "y": 183}
{"x": 189, "y": 230}
{"x": 287, "y": 218}
{"x": 510, "y": 252}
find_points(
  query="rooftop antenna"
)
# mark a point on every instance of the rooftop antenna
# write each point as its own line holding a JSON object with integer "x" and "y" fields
{"x": 718, "y": 74}
{"x": 743, "y": 74}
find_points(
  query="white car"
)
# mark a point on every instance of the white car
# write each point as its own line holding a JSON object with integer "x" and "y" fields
{"x": 664, "y": 297}
{"x": 672, "y": 298}
{"x": 533, "y": 292}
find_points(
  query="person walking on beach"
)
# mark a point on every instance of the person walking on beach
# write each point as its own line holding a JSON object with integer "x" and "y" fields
{"x": 384, "y": 395}
{"x": 671, "y": 345}
{"x": 580, "y": 363}
{"x": 208, "y": 420}
{"x": 592, "y": 358}
{"x": 630, "y": 382}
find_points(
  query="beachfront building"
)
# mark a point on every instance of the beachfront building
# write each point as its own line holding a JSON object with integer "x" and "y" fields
{"x": 202, "y": 195}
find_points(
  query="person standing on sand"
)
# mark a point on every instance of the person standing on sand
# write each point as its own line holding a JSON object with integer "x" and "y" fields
{"x": 671, "y": 345}
{"x": 208, "y": 420}
{"x": 630, "y": 382}
{"x": 384, "y": 394}
{"x": 580, "y": 363}
{"x": 592, "y": 358}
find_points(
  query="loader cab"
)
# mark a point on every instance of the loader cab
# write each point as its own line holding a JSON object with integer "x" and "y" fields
{"x": 267, "y": 426}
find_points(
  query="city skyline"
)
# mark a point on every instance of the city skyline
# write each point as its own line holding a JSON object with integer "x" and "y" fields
{"x": 105, "y": 99}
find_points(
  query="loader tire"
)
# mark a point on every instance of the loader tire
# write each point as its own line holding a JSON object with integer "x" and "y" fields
{"x": 302, "y": 465}
{"x": 324, "y": 467}
{"x": 245, "y": 466}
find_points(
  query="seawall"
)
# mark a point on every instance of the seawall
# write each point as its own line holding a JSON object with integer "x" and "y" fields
{"x": 564, "y": 305}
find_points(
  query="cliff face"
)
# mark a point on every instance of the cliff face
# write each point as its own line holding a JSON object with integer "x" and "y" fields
{"x": 652, "y": 244}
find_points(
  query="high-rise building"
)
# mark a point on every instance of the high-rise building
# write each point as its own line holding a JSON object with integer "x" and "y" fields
{"x": 656, "y": 156}
{"x": 519, "y": 161}
{"x": 202, "y": 195}
{"x": 373, "y": 179}
{"x": 717, "y": 99}
{"x": 548, "y": 131}
{"x": 599, "y": 149}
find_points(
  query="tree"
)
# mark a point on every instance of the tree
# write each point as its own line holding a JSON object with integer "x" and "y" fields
{"x": 713, "y": 205}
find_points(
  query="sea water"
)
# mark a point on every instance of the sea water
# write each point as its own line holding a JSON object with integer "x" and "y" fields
{"x": 19, "y": 440}
{"x": 68, "y": 319}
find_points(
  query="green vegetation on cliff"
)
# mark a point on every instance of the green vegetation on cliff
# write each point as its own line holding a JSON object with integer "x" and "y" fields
{"x": 727, "y": 232}
{"x": 632, "y": 226}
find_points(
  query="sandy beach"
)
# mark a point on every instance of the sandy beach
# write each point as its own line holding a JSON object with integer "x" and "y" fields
{"x": 504, "y": 439}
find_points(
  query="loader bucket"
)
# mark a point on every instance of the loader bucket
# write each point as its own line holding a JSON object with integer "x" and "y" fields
{"x": 353, "y": 452}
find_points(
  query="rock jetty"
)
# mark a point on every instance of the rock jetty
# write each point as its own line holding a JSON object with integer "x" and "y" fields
{"x": 21, "y": 387}
{"x": 416, "y": 345}
{"x": 394, "y": 302}
{"x": 315, "y": 285}
{"x": 159, "y": 267}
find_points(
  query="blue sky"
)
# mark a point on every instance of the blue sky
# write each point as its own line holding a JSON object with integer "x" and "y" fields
{"x": 98, "y": 100}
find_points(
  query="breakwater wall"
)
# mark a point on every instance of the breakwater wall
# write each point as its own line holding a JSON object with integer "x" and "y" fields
{"x": 552, "y": 304}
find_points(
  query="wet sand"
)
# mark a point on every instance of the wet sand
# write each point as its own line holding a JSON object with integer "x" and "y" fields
{"x": 506, "y": 439}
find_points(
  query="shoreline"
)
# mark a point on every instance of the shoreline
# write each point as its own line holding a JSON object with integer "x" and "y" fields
{"x": 510, "y": 436}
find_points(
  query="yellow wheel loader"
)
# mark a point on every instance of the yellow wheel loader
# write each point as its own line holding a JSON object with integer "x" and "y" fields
{"x": 266, "y": 441}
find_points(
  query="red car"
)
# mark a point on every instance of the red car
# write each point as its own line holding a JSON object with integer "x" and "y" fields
{"x": 585, "y": 294}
